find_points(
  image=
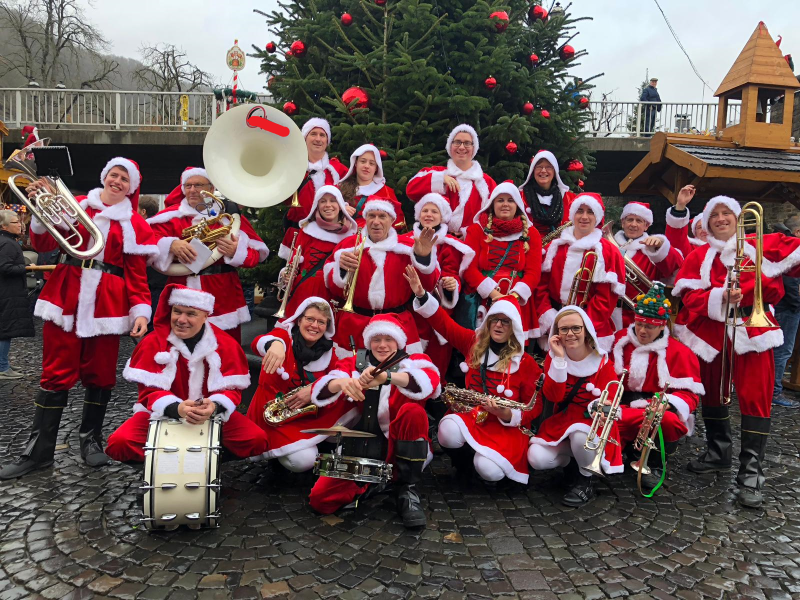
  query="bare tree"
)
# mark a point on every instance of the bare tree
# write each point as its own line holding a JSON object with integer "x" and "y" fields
{"x": 48, "y": 36}
{"x": 167, "y": 69}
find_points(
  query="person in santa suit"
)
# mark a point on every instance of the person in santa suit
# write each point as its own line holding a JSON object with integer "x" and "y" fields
{"x": 186, "y": 207}
{"x": 545, "y": 196}
{"x": 188, "y": 369}
{"x": 656, "y": 361}
{"x": 86, "y": 306}
{"x": 577, "y": 370}
{"x": 462, "y": 181}
{"x": 379, "y": 286}
{"x": 701, "y": 284}
{"x": 391, "y": 406}
{"x": 563, "y": 259}
{"x": 653, "y": 254}
{"x": 297, "y": 353}
{"x": 433, "y": 212}
{"x": 365, "y": 179}
{"x": 508, "y": 255}
{"x": 30, "y": 133}
{"x": 678, "y": 224}
{"x": 327, "y": 224}
{"x": 496, "y": 365}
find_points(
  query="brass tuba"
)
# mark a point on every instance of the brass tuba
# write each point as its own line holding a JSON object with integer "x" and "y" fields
{"x": 276, "y": 412}
{"x": 634, "y": 276}
{"x": 54, "y": 206}
{"x": 597, "y": 443}
{"x": 584, "y": 274}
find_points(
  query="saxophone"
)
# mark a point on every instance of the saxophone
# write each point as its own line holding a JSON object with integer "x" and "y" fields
{"x": 277, "y": 412}
{"x": 555, "y": 234}
{"x": 460, "y": 400}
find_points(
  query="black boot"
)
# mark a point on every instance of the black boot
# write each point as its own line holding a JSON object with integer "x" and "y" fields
{"x": 581, "y": 493}
{"x": 755, "y": 433}
{"x": 409, "y": 458}
{"x": 656, "y": 465}
{"x": 719, "y": 450}
{"x": 461, "y": 459}
{"x": 41, "y": 446}
{"x": 95, "y": 402}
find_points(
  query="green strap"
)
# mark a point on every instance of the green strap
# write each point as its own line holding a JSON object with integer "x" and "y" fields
{"x": 360, "y": 207}
{"x": 663, "y": 466}
{"x": 306, "y": 275}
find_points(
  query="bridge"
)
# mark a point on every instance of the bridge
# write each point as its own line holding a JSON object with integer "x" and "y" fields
{"x": 94, "y": 123}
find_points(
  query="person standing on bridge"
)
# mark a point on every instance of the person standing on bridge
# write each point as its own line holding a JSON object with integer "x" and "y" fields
{"x": 650, "y": 94}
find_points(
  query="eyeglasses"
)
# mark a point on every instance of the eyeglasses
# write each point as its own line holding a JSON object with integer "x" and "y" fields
{"x": 503, "y": 322}
{"x": 543, "y": 168}
{"x": 190, "y": 186}
{"x": 575, "y": 330}
{"x": 459, "y": 143}
{"x": 312, "y": 321}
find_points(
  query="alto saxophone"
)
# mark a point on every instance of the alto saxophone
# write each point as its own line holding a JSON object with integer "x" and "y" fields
{"x": 277, "y": 411}
{"x": 460, "y": 400}
{"x": 555, "y": 234}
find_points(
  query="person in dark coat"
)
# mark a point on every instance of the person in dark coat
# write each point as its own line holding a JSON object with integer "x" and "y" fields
{"x": 650, "y": 94}
{"x": 15, "y": 315}
{"x": 787, "y": 312}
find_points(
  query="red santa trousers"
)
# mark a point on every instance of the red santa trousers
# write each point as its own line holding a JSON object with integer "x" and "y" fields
{"x": 329, "y": 494}
{"x": 66, "y": 359}
{"x": 671, "y": 425}
{"x": 753, "y": 378}
{"x": 239, "y": 435}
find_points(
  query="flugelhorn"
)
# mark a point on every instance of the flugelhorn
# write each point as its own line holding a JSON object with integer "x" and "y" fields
{"x": 607, "y": 414}
{"x": 645, "y": 439}
{"x": 54, "y": 206}
{"x": 584, "y": 275}
{"x": 292, "y": 268}
{"x": 277, "y": 412}
{"x": 634, "y": 276}
{"x": 352, "y": 278}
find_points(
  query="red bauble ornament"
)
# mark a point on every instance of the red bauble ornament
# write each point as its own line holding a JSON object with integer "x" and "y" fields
{"x": 490, "y": 83}
{"x": 290, "y": 108}
{"x": 356, "y": 93}
{"x": 347, "y": 19}
{"x": 566, "y": 52}
{"x": 271, "y": 47}
{"x": 583, "y": 102}
{"x": 537, "y": 13}
{"x": 298, "y": 48}
{"x": 527, "y": 108}
{"x": 575, "y": 165}
{"x": 581, "y": 183}
{"x": 546, "y": 113}
{"x": 511, "y": 147}
{"x": 380, "y": 2}
{"x": 501, "y": 24}
{"x": 534, "y": 58}
{"x": 383, "y": 154}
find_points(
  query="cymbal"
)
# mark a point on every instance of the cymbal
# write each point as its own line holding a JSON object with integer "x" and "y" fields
{"x": 340, "y": 430}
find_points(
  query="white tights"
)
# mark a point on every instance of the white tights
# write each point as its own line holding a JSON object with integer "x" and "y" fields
{"x": 542, "y": 458}
{"x": 300, "y": 461}
{"x": 450, "y": 436}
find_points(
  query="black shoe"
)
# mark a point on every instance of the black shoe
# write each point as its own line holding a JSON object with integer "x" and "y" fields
{"x": 719, "y": 450}
{"x": 41, "y": 446}
{"x": 581, "y": 493}
{"x": 409, "y": 458}
{"x": 95, "y": 402}
{"x": 755, "y": 433}
{"x": 461, "y": 459}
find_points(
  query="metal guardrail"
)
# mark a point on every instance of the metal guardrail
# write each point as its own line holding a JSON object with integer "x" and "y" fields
{"x": 108, "y": 109}
{"x": 640, "y": 119}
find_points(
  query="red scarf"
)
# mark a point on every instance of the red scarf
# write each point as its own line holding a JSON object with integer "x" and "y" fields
{"x": 501, "y": 227}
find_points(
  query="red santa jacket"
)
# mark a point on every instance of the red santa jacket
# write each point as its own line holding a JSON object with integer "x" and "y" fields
{"x": 562, "y": 261}
{"x": 392, "y": 398}
{"x": 377, "y": 190}
{"x": 702, "y": 280}
{"x": 652, "y": 366}
{"x": 88, "y": 300}
{"x": 542, "y": 228}
{"x": 475, "y": 188}
{"x": 167, "y": 372}
{"x": 677, "y": 232}
{"x": 327, "y": 171}
{"x": 230, "y": 309}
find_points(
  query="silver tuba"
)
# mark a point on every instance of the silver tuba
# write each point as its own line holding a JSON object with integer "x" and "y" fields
{"x": 54, "y": 205}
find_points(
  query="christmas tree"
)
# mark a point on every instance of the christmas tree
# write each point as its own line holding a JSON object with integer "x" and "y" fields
{"x": 401, "y": 73}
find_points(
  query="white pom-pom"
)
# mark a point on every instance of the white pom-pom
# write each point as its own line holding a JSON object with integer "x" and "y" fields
{"x": 501, "y": 388}
{"x": 596, "y": 392}
{"x": 508, "y": 393}
{"x": 590, "y": 387}
{"x": 528, "y": 209}
{"x": 284, "y": 376}
{"x": 464, "y": 367}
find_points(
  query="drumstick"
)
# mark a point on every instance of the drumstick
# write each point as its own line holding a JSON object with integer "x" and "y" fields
{"x": 387, "y": 364}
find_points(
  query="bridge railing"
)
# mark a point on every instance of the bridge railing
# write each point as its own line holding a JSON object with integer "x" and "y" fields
{"x": 610, "y": 118}
{"x": 108, "y": 109}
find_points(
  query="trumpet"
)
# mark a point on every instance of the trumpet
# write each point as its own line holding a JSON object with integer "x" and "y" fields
{"x": 634, "y": 276}
{"x": 555, "y": 234}
{"x": 584, "y": 274}
{"x": 54, "y": 206}
{"x": 645, "y": 439}
{"x": 461, "y": 400}
{"x": 597, "y": 443}
{"x": 350, "y": 284}
{"x": 277, "y": 412}
{"x": 291, "y": 274}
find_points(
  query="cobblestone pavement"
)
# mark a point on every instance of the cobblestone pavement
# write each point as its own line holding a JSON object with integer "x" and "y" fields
{"x": 72, "y": 532}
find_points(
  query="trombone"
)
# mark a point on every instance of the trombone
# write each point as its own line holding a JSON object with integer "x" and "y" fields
{"x": 597, "y": 443}
{"x": 585, "y": 274}
{"x": 352, "y": 278}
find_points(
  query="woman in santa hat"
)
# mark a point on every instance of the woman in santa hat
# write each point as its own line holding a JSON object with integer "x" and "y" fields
{"x": 576, "y": 371}
{"x": 364, "y": 179}
{"x": 390, "y": 406}
{"x": 86, "y": 306}
{"x": 295, "y": 354}
{"x": 497, "y": 365}
{"x": 433, "y": 212}
{"x": 545, "y": 196}
{"x": 678, "y": 224}
{"x": 508, "y": 255}
{"x": 327, "y": 224}
{"x": 462, "y": 181}
{"x": 563, "y": 259}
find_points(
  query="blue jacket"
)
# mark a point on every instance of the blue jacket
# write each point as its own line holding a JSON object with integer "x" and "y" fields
{"x": 650, "y": 94}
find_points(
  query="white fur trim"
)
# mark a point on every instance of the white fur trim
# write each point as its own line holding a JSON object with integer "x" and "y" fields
{"x": 558, "y": 370}
{"x": 463, "y": 128}
{"x": 161, "y": 404}
{"x": 314, "y": 122}
{"x": 193, "y": 172}
{"x": 425, "y": 269}
{"x": 640, "y": 209}
{"x": 37, "y": 227}
{"x": 439, "y": 201}
{"x": 140, "y": 310}
{"x": 546, "y": 320}
{"x": 428, "y": 309}
{"x": 321, "y": 383}
{"x": 736, "y": 209}
{"x": 284, "y": 252}
{"x": 242, "y": 245}
{"x": 437, "y": 181}
{"x": 192, "y": 298}
{"x": 133, "y": 173}
{"x": 486, "y": 287}
{"x": 50, "y": 312}
{"x": 262, "y": 342}
{"x": 697, "y": 345}
{"x": 384, "y": 326}
{"x": 549, "y": 157}
{"x": 656, "y": 255}
{"x": 676, "y": 222}
{"x": 414, "y": 368}
{"x": 379, "y": 205}
{"x": 524, "y": 291}
{"x": 164, "y": 258}
{"x": 472, "y": 178}
{"x": 225, "y": 403}
{"x": 232, "y": 319}
{"x": 516, "y": 419}
{"x": 591, "y": 202}
{"x": 684, "y": 412}
{"x": 715, "y": 306}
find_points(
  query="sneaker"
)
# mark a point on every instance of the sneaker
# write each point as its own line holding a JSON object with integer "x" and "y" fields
{"x": 10, "y": 374}
{"x": 782, "y": 400}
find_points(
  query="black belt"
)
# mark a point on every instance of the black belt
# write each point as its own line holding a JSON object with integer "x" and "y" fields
{"x": 91, "y": 263}
{"x": 371, "y": 312}
{"x": 216, "y": 269}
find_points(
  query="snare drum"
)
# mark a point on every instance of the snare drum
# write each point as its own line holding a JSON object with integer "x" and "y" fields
{"x": 181, "y": 474}
{"x": 353, "y": 468}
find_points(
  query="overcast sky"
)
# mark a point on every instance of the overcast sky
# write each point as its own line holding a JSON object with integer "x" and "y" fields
{"x": 626, "y": 40}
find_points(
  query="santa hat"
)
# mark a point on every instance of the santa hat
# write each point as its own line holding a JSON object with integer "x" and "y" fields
{"x": 385, "y": 324}
{"x": 439, "y": 201}
{"x": 31, "y": 134}
{"x": 289, "y": 322}
{"x": 507, "y": 306}
{"x": 506, "y": 187}
{"x": 697, "y": 219}
{"x": 593, "y": 201}
{"x": 175, "y": 294}
{"x": 727, "y": 201}
{"x": 134, "y": 175}
{"x": 314, "y": 122}
{"x": 549, "y": 157}
{"x": 378, "y": 177}
{"x": 333, "y": 191}
{"x": 463, "y": 128}
{"x": 639, "y": 209}
{"x": 587, "y": 323}
{"x": 177, "y": 195}
{"x": 375, "y": 203}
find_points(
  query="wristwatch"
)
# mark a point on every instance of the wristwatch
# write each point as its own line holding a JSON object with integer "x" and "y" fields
{"x": 388, "y": 377}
